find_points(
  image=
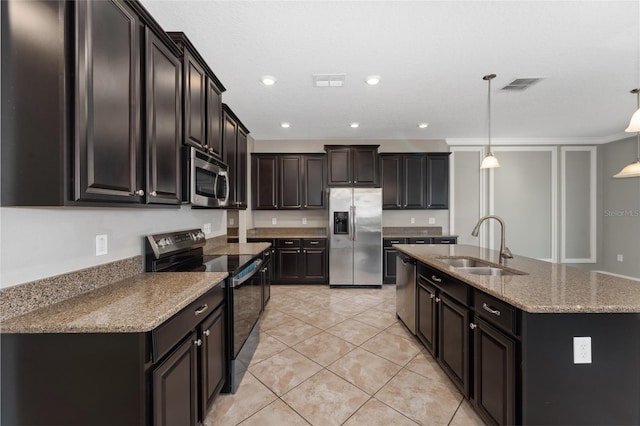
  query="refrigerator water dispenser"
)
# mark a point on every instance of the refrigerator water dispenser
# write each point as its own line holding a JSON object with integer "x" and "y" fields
{"x": 340, "y": 223}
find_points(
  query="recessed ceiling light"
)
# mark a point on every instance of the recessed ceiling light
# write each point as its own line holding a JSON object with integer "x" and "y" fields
{"x": 268, "y": 80}
{"x": 423, "y": 125}
{"x": 285, "y": 125}
{"x": 354, "y": 125}
{"x": 372, "y": 80}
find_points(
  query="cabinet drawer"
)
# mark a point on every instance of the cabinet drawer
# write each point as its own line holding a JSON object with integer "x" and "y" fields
{"x": 456, "y": 289}
{"x": 447, "y": 240}
{"x": 288, "y": 243}
{"x": 495, "y": 311}
{"x": 175, "y": 328}
{"x": 388, "y": 242}
{"x": 314, "y": 242}
{"x": 422, "y": 240}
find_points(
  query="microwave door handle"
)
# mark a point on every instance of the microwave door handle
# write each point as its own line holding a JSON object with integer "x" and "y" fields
{"x": 226, "y": 192}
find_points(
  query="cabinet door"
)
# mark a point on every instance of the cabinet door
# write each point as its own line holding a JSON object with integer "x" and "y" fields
{"x": 175, "y": 387}
{"x": 289, "y": 265}
{"x": 438, "y": 181}
{"x": 164, "y": 122}
{"x": 213, "y": 359}
{"x": 365, "y": 166}
{"x": 339, "y": 166}
{"x": 315, "y": 265}
{"x": 427, "y": 316}
{"x": 494, "y": 374}
{"x": 414, "y": 181}
{"x": 194, "y": 102}
{"x": 241, "y": 170}
{"x": 229, "y": 157}
{"x": 314, "y": 187}
{"x": 453, "y": 341}
{"x": 289, "y": 182}
{"x": 389, "y": 265}
{"x": 391, "y": 170}
{"x": 108, "y": 154}
{"x": 214, "y": 118}
{"x": 264, "y": 181}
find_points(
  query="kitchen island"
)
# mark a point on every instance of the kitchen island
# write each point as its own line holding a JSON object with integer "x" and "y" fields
{"x": 508, "y": 341}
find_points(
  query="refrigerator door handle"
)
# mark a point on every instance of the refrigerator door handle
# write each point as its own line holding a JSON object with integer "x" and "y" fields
{"x": 354, "y": 222}
{"x": 351, "y": 223}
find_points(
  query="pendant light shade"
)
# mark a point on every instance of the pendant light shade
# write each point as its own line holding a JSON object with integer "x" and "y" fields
{"x": 633, "y": 169}
{"x": 490, "y": 161}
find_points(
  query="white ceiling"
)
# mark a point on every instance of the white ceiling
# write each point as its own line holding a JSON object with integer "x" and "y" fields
{"x": 431, "y": 56}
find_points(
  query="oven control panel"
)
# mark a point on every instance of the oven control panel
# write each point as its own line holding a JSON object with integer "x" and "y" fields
{"x": 168, "y": 243}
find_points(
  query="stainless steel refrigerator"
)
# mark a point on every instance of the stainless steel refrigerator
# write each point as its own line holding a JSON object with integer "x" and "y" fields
{"x": 355, "y": 248}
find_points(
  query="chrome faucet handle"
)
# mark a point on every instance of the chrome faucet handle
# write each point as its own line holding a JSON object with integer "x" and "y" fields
{"x": 506, "y": 253}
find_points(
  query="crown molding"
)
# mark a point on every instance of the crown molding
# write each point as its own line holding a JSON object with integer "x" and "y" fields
{"x": 538, "y": 141}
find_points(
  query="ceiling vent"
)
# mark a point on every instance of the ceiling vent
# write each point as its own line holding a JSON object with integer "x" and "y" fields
{"x": 522, "y": 83}
{"x": 328, "y": 80}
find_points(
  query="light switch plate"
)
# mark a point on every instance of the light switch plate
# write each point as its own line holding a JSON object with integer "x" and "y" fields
{"x": 274, "y": 221}
{"x": 231, "y": 221}
{"x": 620, "y": 258}
{"x": 304, "y": 220}
{"x": 413, "y": 220}
{"x": 582, "y": 350}
{"x": 207, "y": 228}
{"x": 101, "y": 245}
{"x": 432, "y": 221}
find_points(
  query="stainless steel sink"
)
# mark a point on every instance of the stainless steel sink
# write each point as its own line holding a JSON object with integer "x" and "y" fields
{"x": 463, "y": 262}
{"x": 489, "y": 270}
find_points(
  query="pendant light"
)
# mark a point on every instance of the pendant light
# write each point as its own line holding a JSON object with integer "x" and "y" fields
{"x": 490, "y": 161}
{"x": 633, "y": 169}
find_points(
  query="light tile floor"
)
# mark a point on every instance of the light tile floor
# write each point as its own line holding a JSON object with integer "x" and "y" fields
{"x": 339, "y": 356}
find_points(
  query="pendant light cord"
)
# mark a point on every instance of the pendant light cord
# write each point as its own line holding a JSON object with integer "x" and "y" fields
{"x": 489, "y": 110}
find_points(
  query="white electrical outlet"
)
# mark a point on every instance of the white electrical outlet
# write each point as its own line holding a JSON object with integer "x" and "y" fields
{"x": 231, "y": 221}
{"x": 432, "y": 221}
{"x": 304, "y": 220}
{"x": 582, "y": 350}
{"x": 101, "y": 245}
{"x": 413, "y": 220}
{"x": 274, "y": 221}
{"x": 207, "y": 228}
{"x": 620, "y": 258}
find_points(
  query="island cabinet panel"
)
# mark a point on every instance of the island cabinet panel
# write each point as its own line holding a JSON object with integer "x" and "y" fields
{"x": 213, "y": 364}
{"x": 453, "y": 341}
{"x": 107, "y": 93}
{"x": 555, "y": 390}
{"x": 427, "y": 325}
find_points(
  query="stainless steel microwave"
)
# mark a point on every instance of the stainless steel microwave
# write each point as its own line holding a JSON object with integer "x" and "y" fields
{"x": 205, "y": 180}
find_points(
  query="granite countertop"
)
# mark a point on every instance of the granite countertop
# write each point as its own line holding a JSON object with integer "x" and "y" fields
{"x": 133, "y": 305}
{"x": 547, "y": 287}
{"x": 253, "y": 249}
{"x": 413, "y": 232}
{"x": 287, "y": 233}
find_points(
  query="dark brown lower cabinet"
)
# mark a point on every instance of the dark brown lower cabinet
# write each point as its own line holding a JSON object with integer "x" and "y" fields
{"x": 427, "y": 327}
{"x": 453, "y": 341}
{"x": 175, "y": 386}
{"x": 300, "y": 261}
{"x": 213, "y": 362}
{"x": 289, "y": 265}
{"x": 315, "y": 265}
{"x": 494, "y": 375}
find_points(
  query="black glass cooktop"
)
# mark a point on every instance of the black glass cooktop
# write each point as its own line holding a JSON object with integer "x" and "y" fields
{"x": 226, "y": 263}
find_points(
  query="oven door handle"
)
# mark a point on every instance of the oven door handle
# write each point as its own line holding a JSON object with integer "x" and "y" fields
{"x": 237, "y": 282}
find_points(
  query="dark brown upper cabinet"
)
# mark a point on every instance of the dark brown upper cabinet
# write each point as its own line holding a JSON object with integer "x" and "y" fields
{"x": 97, "y": 140}
{"x": 234, "y": 148}
{"x": 438, "y": 181}
{"x": 353, "y": 165}
{"x": 288, "y": 181}
{"x": 164, "y": 90}
{"x": 202, "y": 99}
{"x": 415, "y": 181}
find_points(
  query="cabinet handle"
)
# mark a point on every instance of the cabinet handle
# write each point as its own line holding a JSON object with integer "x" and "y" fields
{"x": 472, "y": 326}
{"x": 491, "y": 310}
{"x": 263, "y": 270}
{"x": 314, "y": 243}
{"x": 288, "y": 243}
{"x": 201, "y": 309}
{"x": 153, "y": 193}
{"x": 297, "y": 251}
{"x": 299, "y": 206}
{"x": 206, "y": 333}
{"x": 419, "y": 241}
{"x": 305, "y": 206}
{"x": 436, "y": 279}
{"x": 395, "y": 242}
{"x": 432, "y": 296}
{"x": 139, "y": 192}
{"x": 198, "y": 342}
{"x": 274, "y": 205}
{"x": 437, "y": 300}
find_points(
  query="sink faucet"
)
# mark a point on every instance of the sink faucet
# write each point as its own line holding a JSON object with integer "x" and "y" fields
{"x": 505, "y": 253}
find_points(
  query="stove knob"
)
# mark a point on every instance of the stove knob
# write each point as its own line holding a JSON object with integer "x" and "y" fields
{"x": 200, "y": 235}
{"x": 161, "y": 243}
